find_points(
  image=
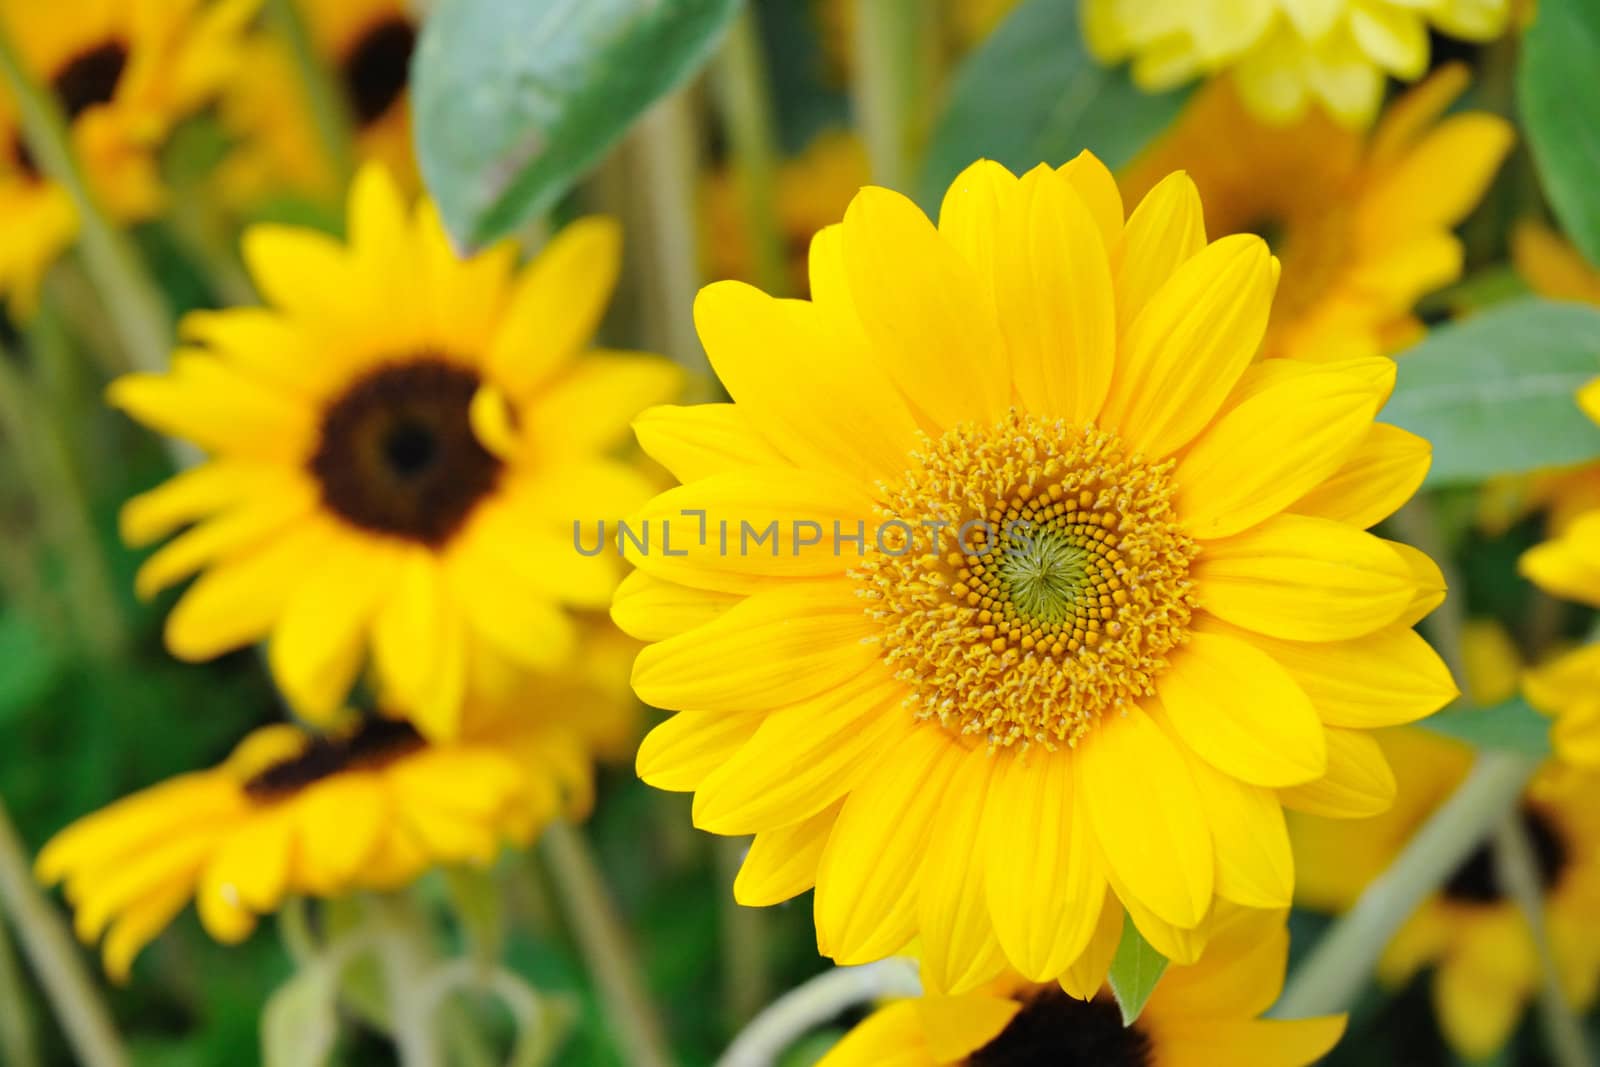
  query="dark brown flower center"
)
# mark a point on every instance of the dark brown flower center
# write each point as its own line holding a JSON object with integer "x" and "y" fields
{"x": 1055, "y": 1030}
{"x": 376, "y": 742}
{"x": 1477, "y": 881}
{"x": 86, "y": 80}
{"x": 398, "y": 455}
{"x": 377, "y": 66}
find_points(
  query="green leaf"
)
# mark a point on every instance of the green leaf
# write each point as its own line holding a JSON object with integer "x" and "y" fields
{"x": 1513, "y": 726}
{"x": 31, "y": 664}
{"x": 513, "y": 102}
{"x": 1495, "y": 393}
{"x": 1032, "y": 94}
{"x": 1135, "y": 970}
{"x": 1561, "y": 112}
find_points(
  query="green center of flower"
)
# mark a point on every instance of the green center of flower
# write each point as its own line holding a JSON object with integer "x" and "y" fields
{"x": 1044, "y": 584}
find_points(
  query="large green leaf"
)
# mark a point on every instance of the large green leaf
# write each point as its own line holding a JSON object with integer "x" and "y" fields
{"x": 1495, "y": 392}
{"x": 1032, "y": 94}
{"x": 1556, "y": 91}
{"x": 514, "y": 101}
{"x": 1135, "y": 970}
{"x": 1513, "y": 726}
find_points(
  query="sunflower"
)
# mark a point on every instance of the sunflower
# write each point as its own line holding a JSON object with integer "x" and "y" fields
{"x": 1361, "y": 222}
{"x": 401, "y": 445}
{"x": 367, "y": 807}
{"x": 1486, "y": 965}
{"x": 367, "y": 44}
{"x": 1199, "y": 1015}
{"x": 1007, "y": 580}
{"x": 1285, "y": 56}
{"x": 124, "y": 72}
{"x": 812, "y": 190}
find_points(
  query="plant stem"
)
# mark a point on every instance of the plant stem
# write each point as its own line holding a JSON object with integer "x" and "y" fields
{"x": 666, "y": 163}
{"x": 890, "y": 85}
{"x": 55, "y": 958}
{"x": 404, "y": 958}
{"x": 744, "y": 941}
{"x": 745, "y": 96}
{"x": 19, "y": 1045}
{"x": 330, "y": 112}
{"x": 1518, "y": 872}
{"x": 131, "y": 296}
{"x": 1342, "y": 962}
{"x": 807, "y": 1006}
{"x": 604, "y": 943}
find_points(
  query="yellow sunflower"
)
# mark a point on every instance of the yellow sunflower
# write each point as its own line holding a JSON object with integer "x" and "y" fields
{"x": 1007, "y": 580}
{"x": 367, "y": 44}
{"x": 370, "y": 806}
{"x": 1199, "y": 1016}
{"x": 813, "y": 189}
{"x": 1486, "y": 964}
{"x": 1361, "y": 222}
{"x": 401, "y": 446}
{"x": 1284, "y": 55}
{"x": 124, "y": 72}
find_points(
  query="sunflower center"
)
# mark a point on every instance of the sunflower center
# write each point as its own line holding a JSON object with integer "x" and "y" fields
{"x": 1033, "y": 577}
{"x": 377, "y": 66}
{"x": 376, "y": 742}
{"x": 1055, "y": 1030}
{"x": 86, "y": 80}
{"x": 1477, "y": 881}
{"x": 397, "y": 453}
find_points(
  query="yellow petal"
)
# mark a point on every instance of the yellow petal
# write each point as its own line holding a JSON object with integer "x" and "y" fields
{"x": 138, "y": 926}
{"x": 1386, "y": 678}
{"x": 1358, "y": 785}
{"x": 1304, "y": 579}
{"x": 959, "y": 949}
{"x": 1187, "y": 347}
{"x": 1097, "y": 188}
{"x": 1255, "y": 866}
{"x": 419, "y": 646}
{"x": 969, "y": 217}
{"x": 678, "y": 754}
{"x": 652, "y": 609}
{"x": 339, "y": 823}
{"x": 1167, "y": 228}
{"x": 956, "y": 1027}
{"x": 890, "y": 1037}
{"x": 189, "y": 496}
{"x": 1383, "y": 472}
{"x": 1242, "y": 972}
{"x": 1241, "y": 712}
{"x": 588, "y": 406}
{"x": 1145, "y": 812}
{"x": 782, "y": 863}
{"x": 1260, "y": 1043}
{"x": 1088, "y": 972}
{"x": 697, "y": 442}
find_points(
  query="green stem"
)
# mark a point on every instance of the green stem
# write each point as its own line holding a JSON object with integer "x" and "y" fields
{"x": 55, "y": 958}
{"x": 745, "y": 96}
{"x": 19, "y": 1045}
{"x": 330, "y": 111}
{"x": 604, "y": 944}
{"x": 1342, "y": 962}
{"x": 1518, "y": 871}
{"x": 745, "y": 982}
{"x": 666, "y": 162}
{"x": 404, "y": 958}
{"x": 135, "y": 303}
{"x": 808, "y": 1006}
{"x": 890, "y": 85}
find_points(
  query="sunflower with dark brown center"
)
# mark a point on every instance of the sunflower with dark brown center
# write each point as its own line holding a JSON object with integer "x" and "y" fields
{"x": 1185, "y": 1024}
{"x": 1485, "y": 964}
{"x": 123, "y": 74}
{"x": 402, "y": 444}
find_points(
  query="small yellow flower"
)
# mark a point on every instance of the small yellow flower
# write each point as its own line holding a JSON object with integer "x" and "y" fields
{"x": 813, "y": 189}
{"x": 401, "y": 444}
{"x": 367, "y": 44}
{"x": 124, "y": 72}
{"x": 1063, "y": 596}
{"x": 1486, "y": 965}
{"x": 1199, "y": 1016}
{"x": 1286, "y": 55}
{"x": 370, "y": 806}
{"x": 1363, "y": 223}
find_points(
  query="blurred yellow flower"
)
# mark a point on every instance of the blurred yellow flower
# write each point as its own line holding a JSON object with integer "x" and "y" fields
{"x": 1085, "y": 597}
{"x": 370, "y": 806}
{"x": 1199, "y": 1016}
{"x": 367, "y": 44}
{"x": 401, "y": 444}
{"x": 124, "y": 72}
{"x": 1486, "y": 965}
{"x": 1363, "y": 223}
{"x": 813, "y": 189}
{"x": 1286, "y": 56}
